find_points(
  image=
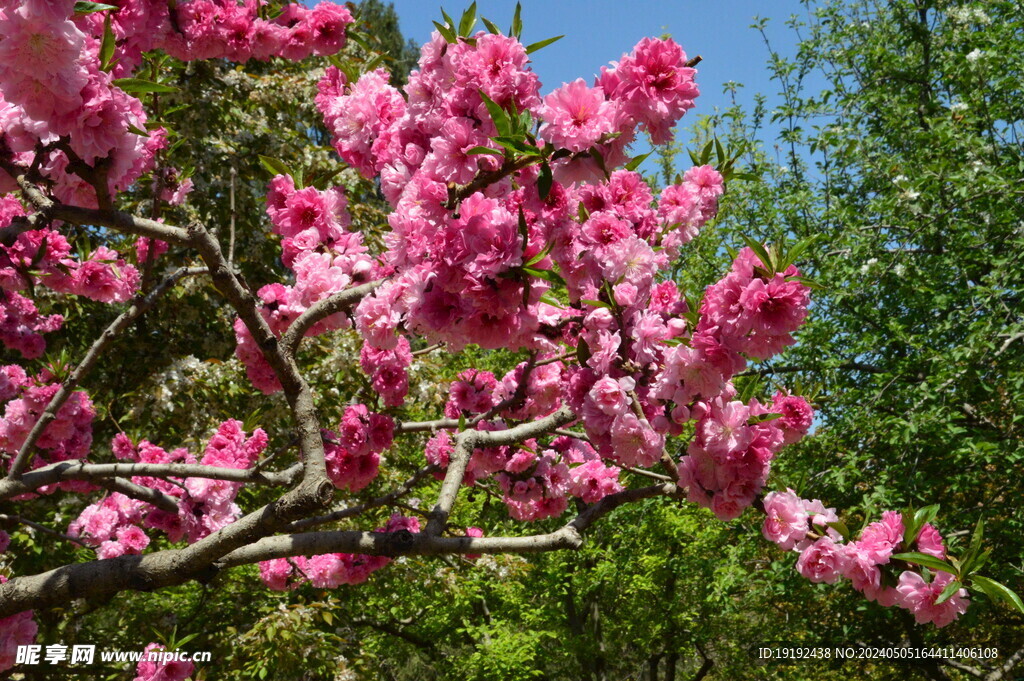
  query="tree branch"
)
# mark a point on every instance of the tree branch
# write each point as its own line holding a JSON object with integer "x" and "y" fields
{"x": 467, "y": 441}
{"x": 96, "y": 472}
{"x": 138, "y": 307}
{"x": 332, "y": 304}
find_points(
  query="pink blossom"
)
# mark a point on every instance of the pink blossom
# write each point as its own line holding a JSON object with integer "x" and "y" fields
{"x": 654, "y": 85}
{"x": 919, "y": 596}
{"x": 786, "y": 520}
{"x": 634, "y": 442}
{"x": 170, "y": 670}
{"x": 879, "y": 539}
{"x": 610, "y": 395}
{"x": 593, "y": 481}
{"x": 822, "y": 561}
{"x": 16, "y": 630}
{"x": 276, "y": 573}
{"x": 930, "y": 541}
{"x": 576, "y": 116}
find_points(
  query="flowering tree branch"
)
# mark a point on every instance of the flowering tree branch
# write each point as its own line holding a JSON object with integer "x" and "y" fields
{"x": 99, "y": 346}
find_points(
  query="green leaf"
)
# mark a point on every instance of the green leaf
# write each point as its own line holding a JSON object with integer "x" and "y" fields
{"x": 533, "y": 47}
{"x": 582, "y": 352}
{"x": 544, "y": 181}
{"x": 83, "y": 7}
{"x": 950, "y": 589}
{"x": 498, "y": 115}
{"x": 970, "y": 558}
{"x": 840, "y": 527}
{"x": 359, "y": 38}
{"x": 176, "y": 109}
{"x": 926, "y": 515}
{"x": 517, "y": 22}
{"x": 927, "y": 561}
{"x": 447, "y": 33}
{"x": 137, "y": 85}
{"x": 705, "y": 153}
{"x": 719, "y": 151}
{"x": 524, "y": 229}
{"x": 484, "y": 150}
{"x": 761, "y": 253}
{"x": 274, "y": 166}
{"x": 373, "y": 63}
{"x": 447, "y": 19}
{"x": 762, "y": 418}
{"x": 137, "y": 131}
{"x": 596, "y": 303}
{"x": 546, "y": 275}
{"x": 978, "y": 535}
{"x": 635, "y": 162}
{"x": 798, "y": 249}
{"x": 517, "y": 144}
{"x": 914, "y": 527}
{"x": 490, "y": 26}
{"x": 549, "y": 298}
{"x": 997, "y": 591}
{"x": 468, "y": 20}
{"x": 599, "y": 160}
{"x": 539, "y": 256}
{"x": 178, "y": 644}
{"x": 107, "y": 46}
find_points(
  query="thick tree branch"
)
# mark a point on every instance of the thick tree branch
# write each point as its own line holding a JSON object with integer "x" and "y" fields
{"x": 332, "y": 304}
{"x": 408, "y": 543}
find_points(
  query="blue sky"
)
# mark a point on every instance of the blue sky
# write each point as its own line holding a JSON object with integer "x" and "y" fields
{"x": 599, "y": 31}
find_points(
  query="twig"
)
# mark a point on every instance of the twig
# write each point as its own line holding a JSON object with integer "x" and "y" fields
{"x": 17, "y": 519}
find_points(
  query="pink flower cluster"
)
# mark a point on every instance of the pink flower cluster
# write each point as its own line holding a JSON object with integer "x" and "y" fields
{"x": 388, "y": 370}
{"x": 454, "y": 266}
{"x": 209, "y": 504}
{"x": 52, "y": 87}
{"x": 652, "y": 87}
{"x": 728, "y": 460}
{"x": 685, "y": 207}
{"x": 536, "y": 481}
{"x": 331, "y": 570}
{"x": 751, "y": 312}
{"x": 353, "y": 454}
{"x": 168, "y": 670}
{"x": 67, "y": 436}
{"x": 43, "y": 257}
{"x": 324, "y": 256}
{"x": 19, "y": 629}
{"x": 457, "y": 266}
{"x": 789, "y": 520}
{"x": 114, "y": 524}
{"x": 56, "y": 96}
{"x": 224, "y": 29}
